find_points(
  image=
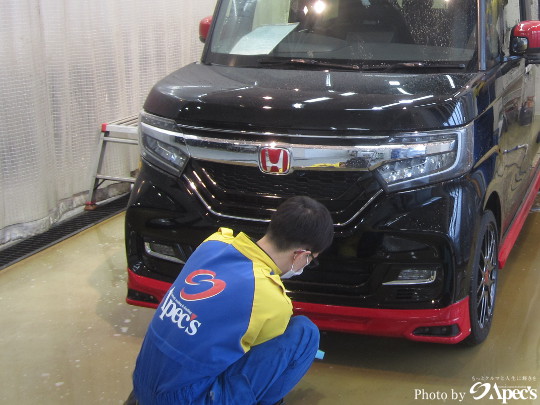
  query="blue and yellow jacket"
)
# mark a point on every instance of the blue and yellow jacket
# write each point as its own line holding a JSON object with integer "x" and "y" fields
{"x": 227, "y": 298}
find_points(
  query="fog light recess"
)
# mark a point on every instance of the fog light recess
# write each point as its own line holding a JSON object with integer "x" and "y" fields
{"x": 445, "y": 331}
{"x": 161, "y": 251}
{"x": 414, "y": 276}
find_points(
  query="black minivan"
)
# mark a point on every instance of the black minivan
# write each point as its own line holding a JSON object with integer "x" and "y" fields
{"x": 413, "y": 121}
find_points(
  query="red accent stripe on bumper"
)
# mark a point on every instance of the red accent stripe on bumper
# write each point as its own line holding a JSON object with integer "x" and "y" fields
{"x": 389, "y": 322}
{"x": 146, "y": 285}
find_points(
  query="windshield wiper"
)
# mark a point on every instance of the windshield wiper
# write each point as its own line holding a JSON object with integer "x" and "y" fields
{"x": 376, "y": 66}
{"x": 413, "y": 65}
{"x": 307, "y": 62}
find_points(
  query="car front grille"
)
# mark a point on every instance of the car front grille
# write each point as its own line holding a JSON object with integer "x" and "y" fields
{"x": 244, "y": 192}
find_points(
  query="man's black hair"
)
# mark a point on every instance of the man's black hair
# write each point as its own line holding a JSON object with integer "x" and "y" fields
{"x": 301, "y": 222}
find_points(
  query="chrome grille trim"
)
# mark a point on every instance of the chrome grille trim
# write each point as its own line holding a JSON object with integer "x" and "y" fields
{"x": 209, "y": 208}
{"x": 305, "y": 156}
{"x": 312, "y": 157}
{"x": 360, "y": 210}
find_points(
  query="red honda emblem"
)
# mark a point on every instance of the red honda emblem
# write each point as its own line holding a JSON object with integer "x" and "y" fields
{"x": 274, "y": 160}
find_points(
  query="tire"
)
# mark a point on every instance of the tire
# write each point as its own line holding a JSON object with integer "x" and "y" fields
{"x": 484, "y": 276}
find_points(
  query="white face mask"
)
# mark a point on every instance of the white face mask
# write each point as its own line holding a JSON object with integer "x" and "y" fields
{"x": 292, "y": 273}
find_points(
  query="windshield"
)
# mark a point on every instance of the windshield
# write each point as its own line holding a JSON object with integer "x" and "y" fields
{"x": 340, "y": 33}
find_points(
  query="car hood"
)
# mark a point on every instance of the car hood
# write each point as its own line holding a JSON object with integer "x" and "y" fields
{"x": 298, "y": 101}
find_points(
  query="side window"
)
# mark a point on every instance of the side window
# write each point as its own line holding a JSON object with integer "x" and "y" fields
{"x": 534, "y": 10}
{"x": 495, "y": 30}
{"x": 529, "y": 10}
{"x": 512, "y": 16}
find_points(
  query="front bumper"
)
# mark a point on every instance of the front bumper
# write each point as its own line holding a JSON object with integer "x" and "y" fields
{"x": 446, "y": 325}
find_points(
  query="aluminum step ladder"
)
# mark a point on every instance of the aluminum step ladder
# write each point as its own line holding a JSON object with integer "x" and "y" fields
{"x": 127, "y": 126}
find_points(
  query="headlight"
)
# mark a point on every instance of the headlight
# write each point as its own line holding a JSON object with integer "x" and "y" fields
{"x": 162, "y": 144}
{"x": 168, "y": 153}
{"x": 430, "y": 159}
{"x": 427, "y": 158}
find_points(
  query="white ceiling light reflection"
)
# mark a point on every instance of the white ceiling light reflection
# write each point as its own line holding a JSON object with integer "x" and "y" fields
{"x": 319, "y": 6}
{"x": 316, "y": 100}
{"x": 396, "y": 83}
{"x": 409, "y": 101}
{"x": 403, "y": 91}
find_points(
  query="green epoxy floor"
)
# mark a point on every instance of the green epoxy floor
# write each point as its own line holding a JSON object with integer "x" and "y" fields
{"x": 68, "y": 337}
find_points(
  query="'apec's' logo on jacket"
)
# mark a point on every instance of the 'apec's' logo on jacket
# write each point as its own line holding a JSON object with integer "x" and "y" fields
{"x": 211, "y": 286}
{"x": 201, "y": 285}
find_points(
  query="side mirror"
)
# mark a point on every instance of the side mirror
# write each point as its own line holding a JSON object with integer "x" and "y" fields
{"x": 525, "y": 41}
{"x": 204, "y": 27}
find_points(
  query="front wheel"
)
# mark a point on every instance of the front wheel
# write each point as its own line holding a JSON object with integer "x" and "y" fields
{"x": 484, "y": 274}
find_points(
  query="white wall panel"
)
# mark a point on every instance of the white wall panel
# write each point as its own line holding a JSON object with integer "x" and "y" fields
{"x": 65, "y": 67}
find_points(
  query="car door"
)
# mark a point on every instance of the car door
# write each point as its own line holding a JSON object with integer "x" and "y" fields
{"x": 518, "y": 146}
